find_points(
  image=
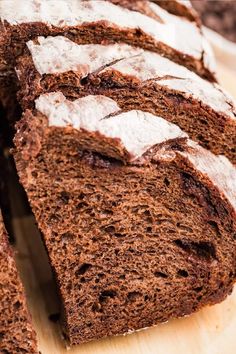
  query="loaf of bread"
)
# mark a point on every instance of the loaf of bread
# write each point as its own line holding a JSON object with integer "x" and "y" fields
{"x": 138, "y": 220}
{"x": 120, "y": 151}
{"x": 16, "y": 332}
{"x": 134, "y": 78}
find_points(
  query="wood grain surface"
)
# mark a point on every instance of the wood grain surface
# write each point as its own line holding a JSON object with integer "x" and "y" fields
{"x": 210, "y": 331}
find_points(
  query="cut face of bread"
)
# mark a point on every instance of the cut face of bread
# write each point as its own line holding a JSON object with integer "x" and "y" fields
{"x": 134, "y": 78}
{"x": 149, "y": 26}
{"x": 138, "y": 230}
{"x": 16, "y": 331}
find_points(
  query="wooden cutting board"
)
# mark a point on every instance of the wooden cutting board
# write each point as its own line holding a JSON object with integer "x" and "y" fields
{"x": 210, "y": 331}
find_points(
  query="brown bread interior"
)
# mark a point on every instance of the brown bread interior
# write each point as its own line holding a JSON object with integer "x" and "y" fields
{"x": 16, "y": 332}
{"x": 131, "y": 245}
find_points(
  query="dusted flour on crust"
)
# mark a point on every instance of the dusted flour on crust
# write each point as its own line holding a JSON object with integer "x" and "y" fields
{"x": 136, "y": 131}
{"x": 133, "y": 77}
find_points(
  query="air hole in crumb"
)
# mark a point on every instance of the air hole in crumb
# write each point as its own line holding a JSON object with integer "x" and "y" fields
{"x": 107, "y": 294}
{"x": 81, "y": 196}
{"x": 69, "y": 287}
{"x": 147, "y": 213}
{"x": 166, "y": 181}
{"x": 101, "y": 275}
{"x": 182, "y": 273}
{"x": 89, "y": 186}
{"x": 53, "y": 218}
{"x": 221, "y": 285}
{"x": 122, "y": 276}
{"x": 107, "y": 212}
{"x": 149, "y": 229}
{"x": 202, "y": 249}
{"x": 198, "y": 289}
{"x": 82, "y": 205}
{"x": 203, "y": 121}
{"x": 65, "y": 197}
{"x": 110, "y": 229}
{"x": 134, "y": 295}
{"x": 67, "y": 236}
{"x": 214, "y": 226}
{"x": 34, "y": 174}
{"x": 160, "y": 275}
{"x": 17, "y": 305}
{"x": 83, "y": 268}
{"x": 200, "y": 137}
{"x": 118, "y": 234}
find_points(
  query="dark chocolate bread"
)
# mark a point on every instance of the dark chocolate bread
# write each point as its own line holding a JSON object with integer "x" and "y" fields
{"x": 135, "y": 79}
{"x": 138, "y": 220}
{"x": 16, "y": 332}
{"x": 149, "y": 26}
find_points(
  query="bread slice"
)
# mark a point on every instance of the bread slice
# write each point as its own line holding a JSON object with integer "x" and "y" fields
{"x": 134, "y": 78}
{"x": 138, "y": 220}
{"x": 16, "y": 332}
{"x": 104, "y": 22}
